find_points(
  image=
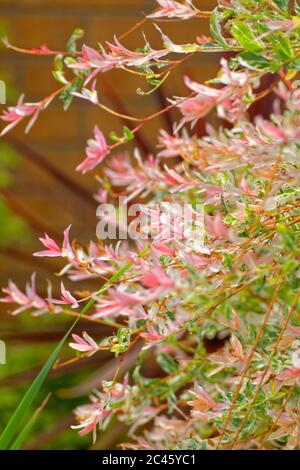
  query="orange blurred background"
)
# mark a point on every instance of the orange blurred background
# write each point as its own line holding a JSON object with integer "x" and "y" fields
{"x": 59, "y": 137}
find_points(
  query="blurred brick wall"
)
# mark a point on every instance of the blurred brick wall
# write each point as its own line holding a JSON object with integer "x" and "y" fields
{"x": 60, "y": 136}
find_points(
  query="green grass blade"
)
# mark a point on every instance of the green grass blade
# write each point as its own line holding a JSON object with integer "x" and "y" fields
{"x": 23, "y": 434}
{"x": 11, "y": 428}
{"x": 30, "y": 395}
{"x": 21, "y": 438}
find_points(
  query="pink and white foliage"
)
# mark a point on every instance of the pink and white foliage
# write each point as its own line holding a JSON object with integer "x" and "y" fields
{"x": 66, "y": 298}
{"x": 28, "y": 300}
{"x": 115, "y": 55}
{"x": 201, "y": 310}
{"x": 99, "y": 412}
{"x": 174, "y": 9}
{"x": 15, "y": 114}
{"x": 96, "y": 150}
{"x": 31, "y": 300}
{"x": 54, "y": 250}
{"x": 139, "y": 178}
{"x": 84, "y": 344}
{"x": 229, "y": 100}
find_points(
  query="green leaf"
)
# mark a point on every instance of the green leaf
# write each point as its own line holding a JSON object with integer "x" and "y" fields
{"x": 67, "y": 95}
{"x": 295, "y": 65}
{"x": 287, "y": 236}
{"x": 254, "y": 61}
{"x": 76, "y": 35}
{"x": 297, "y": 8}
{"x": 282, "y": 46}
{"x": 58, "y": 62}
{"x": 58, "y": 72}
{"x": 128, "y": 134}
{"x": 283, "y": 5}
{"x": 209, "y": 46}
{"x": 114, "y": 137}
{"x": 167, "y": 363}
{"x": 121, "y": 342}
{"x": 245, "y": 37}
{"x": 60, "y": 77}
{"x": 216, "y": 28}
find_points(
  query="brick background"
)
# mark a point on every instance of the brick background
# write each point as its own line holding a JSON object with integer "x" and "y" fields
{"x": 61, "y": 136}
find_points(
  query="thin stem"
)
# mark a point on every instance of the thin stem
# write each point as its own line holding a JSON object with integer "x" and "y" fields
{"x": 250, "y": 406}
{"x": 248, "y": 362}
{"x": 277, "y": 418}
